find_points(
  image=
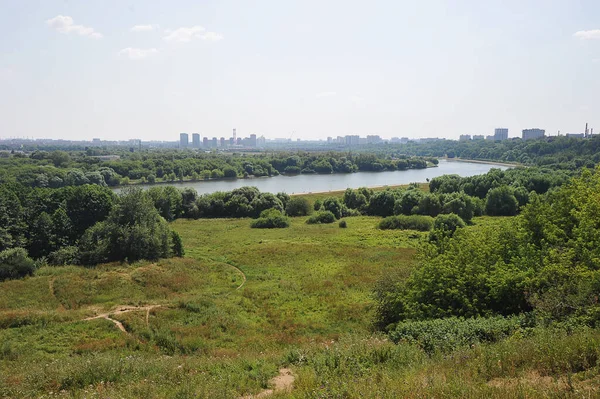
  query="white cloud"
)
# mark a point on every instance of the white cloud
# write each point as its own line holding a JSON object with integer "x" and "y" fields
{"x": 64, "y": 24}
{"x": 588, "y": 34}
{"x": 326, "y": 94}
{"x": 143, "y": 28}
{"x": 184, "y": 35}
{"x": 138, "y": 53}
{"x": 212, "y": 36}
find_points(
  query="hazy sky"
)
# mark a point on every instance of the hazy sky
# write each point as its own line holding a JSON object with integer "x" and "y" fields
{"x": 149, "y": 69}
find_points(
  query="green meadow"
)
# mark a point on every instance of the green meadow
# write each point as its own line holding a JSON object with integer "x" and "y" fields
{"x": 244, "y": 303}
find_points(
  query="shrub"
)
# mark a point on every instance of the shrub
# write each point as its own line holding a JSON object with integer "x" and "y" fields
{"x": 298, "y": 206}
{"x": 317, "y": 205}
{"x": 448, "y": 223}
{"x": 443, "y": 335}
{"x": 402, "y": 222}
{"x": 343, "y": 224}
{"x": 321, "y": 217}
{"x": 64, "y": 256}
{"x": 270, "y": 219}
{"x": 333, "y": 205}
{"x": 14, "y": 263}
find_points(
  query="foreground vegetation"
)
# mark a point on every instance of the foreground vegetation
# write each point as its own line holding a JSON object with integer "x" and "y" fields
{"x": 244, "y": 303}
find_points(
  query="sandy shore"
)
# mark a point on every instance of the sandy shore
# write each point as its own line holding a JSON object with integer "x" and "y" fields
{"x": 510, "y": 165}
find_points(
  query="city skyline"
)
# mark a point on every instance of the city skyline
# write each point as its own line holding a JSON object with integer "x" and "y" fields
{"x": 308, "y": 70}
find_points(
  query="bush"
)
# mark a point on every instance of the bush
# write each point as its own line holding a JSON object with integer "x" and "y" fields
{"x": 343, "y": 224}
{"x": 333, "y": 205}
{"x": 270, "y": 219}
{"x": 448, "y": 223}
{"x": 14, "y": 263}
{"x": 317, "y": 205}
{"x": 298, "y": 206}
{"x": 321, "y": 217}
{"x": 402, "y": 222}
{"x": 64, "y": 256}
{"x": 443, "y": 335}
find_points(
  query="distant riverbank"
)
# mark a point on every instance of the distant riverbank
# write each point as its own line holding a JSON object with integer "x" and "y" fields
{"x": 507, "y": 164}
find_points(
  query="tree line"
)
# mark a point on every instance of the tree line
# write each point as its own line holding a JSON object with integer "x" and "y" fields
{"x": 55, "y": 169}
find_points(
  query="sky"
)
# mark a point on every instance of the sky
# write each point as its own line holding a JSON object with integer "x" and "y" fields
{"x": 307, "y": 69}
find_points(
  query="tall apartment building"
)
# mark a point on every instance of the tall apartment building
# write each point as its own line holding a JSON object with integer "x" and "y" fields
{"x": 531, "y": 134}
{"x": 464, "y": 137}
{"x": 195, "y": 140}
{"x": 500, "y": 134}
{"x": 184, "y": 140}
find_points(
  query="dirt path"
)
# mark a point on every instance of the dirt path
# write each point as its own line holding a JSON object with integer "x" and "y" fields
{"x": 124, "y": 309}
{"x": 281, "y": 383}
{"x": 243, "y": 276}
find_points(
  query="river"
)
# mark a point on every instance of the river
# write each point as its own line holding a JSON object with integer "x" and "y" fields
{"x": 298, "y": 184}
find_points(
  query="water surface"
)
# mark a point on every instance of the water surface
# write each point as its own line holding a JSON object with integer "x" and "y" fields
{"x": 298, "y": 184}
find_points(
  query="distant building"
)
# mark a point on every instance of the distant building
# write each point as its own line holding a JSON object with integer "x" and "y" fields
{"x": 352, "y": 140}
{"x": 489, "y": 137}
{"x": 500, "y": 134}
{"x": 252, "y": 140}
{"x": 531, "y": 134}
{"x": 478, "y": 137}
{"x": 329, "y": 140}
{"x": 184, "y": 140}
{"x": 373, "y": 139}
{"x": 403, "y": 140}
{"x": 195, "y": 140}
{"x": 214, "y": 142}
{"x": 205, "y": 142}
{"x": 464, "y": 137}
{"x": 222, "y": 142}
{"x": 576, "y": 135}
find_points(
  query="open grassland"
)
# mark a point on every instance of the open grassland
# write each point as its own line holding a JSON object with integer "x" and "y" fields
{"x": 243, "y": 303}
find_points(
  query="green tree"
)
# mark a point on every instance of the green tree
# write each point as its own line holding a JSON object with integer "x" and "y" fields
{"x": 501, "y": 201}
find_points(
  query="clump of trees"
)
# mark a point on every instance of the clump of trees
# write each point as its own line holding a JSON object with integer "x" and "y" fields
{"x": 321, "y": 217}
{"x": 271, "y": 219}
{"x": 545, "y": 261}
{"x": 15, "y": 263}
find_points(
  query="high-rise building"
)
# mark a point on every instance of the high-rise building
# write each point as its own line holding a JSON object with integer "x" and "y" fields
{"x": 214, "y": 142}
{"x": 478, "y": 137}
{"x": 222, "y": 142}
{"x": 530, "y": 134}
{"x": 465, "y": 137}
{"x": 253, "y": 140}
{"x": 205, "y": 142}
{"x": 500, "y": 134}
{"x": 373, "y": 139}
{"x": 184, "y": 140}
{"x": 195, "y": 140}
{"x": 352, "y": 140}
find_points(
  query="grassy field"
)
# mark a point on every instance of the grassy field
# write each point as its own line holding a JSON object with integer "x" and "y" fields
{"x": 244, "y": 303}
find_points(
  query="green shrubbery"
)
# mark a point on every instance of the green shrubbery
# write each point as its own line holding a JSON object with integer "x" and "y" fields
{"x": 270, "y": 219}
{"x": 402, "y": 222}
{"x": 321, "y": 217}
{"x": 14, "y": 263}
{"x": 298, "y": 206}
{"x": 443, "y": 335}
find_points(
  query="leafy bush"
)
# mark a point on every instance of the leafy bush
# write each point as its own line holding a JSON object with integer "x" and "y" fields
{"x": 270, "y": 219}
{"x": 402, "y": 222}
{"x": 321, "y": 217}
{"x": 317, "y": 205}
{"x": 64, "y": 256}
{"x": 14, "y": 263}
{"x": 445, "y": 225}
{"x": 333, "y": 205}
{"x": 298, "y": 206}
{"x": 501, "y": 201}
{"x": 444, "y": 335}
{"x": 343, "y": 224}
